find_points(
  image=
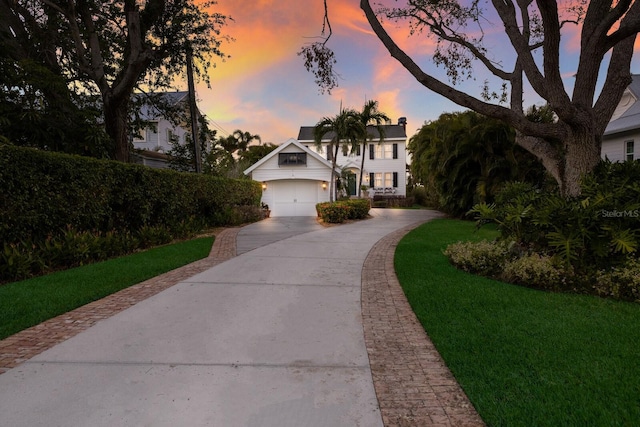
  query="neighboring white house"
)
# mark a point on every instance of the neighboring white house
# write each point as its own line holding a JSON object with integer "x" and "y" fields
{"x": 157, "y": 136}
{"x": 294, "y": 179}
{"x": 622, "y": 136}
{"x": 385, "y": 166}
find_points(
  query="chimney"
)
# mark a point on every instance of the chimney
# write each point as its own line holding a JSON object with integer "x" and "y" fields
{"x": 402, "y": 121}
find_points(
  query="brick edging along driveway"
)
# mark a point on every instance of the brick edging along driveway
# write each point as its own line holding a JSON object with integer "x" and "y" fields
{"x": 30, "y": 342}
{"x": 412, "y": 383}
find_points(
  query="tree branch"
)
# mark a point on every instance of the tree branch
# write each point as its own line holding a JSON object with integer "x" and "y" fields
{"x": 516, "y": 118}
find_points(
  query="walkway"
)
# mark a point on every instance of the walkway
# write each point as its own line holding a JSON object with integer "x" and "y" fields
{"x": 412, "y": 386}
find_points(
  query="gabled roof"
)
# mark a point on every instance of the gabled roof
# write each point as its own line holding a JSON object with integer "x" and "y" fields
{"x": 630, "y": 119}
{"x": 391, "y": 132}
{"x": 283, "y": 147}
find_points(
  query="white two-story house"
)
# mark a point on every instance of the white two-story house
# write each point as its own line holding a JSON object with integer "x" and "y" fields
{"x": 155, "y": 139}
{"x": 622, "y": 136}
{"x": 385, "y": 162}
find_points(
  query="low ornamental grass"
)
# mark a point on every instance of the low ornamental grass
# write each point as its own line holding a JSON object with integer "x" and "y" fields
{"x": 26, "y": 303}
{"x": 524, "y": 357}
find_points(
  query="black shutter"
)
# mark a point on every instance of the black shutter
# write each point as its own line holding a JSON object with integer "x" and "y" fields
{"x": 395, "y": 152}
{"x": 372, "y": 179}
{"x": 371, "y": 152}
{"x": 395, "y": 178}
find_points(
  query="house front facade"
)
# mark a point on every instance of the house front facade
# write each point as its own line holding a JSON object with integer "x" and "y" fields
{"x": 294, "y": 179}
{"x": 160, "y": 132}
{"x": 385, "y": 161}
{"x": 621, "y": 138}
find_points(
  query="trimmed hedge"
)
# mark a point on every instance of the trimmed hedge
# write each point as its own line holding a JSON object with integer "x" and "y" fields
{"x": 48, "y": 198}
{"x": 390, "y": 201}
{"x": 44, "y": 193}
{"x": 337, "y": 212}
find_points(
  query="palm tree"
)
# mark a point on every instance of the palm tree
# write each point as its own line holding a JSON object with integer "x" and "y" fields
{"x": 345, "y": 129}
{"x": 244, "y": 139}
{"x": 370, "y": 115}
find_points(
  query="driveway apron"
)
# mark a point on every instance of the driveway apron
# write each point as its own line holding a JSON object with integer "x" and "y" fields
{"x": 272, "y": 337}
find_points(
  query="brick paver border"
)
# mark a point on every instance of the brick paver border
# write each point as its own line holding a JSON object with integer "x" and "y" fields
{"x": 32, "y": 341}
{"x": 413, "y": 385}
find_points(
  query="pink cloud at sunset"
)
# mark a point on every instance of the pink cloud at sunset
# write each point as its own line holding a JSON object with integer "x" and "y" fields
{"x": 264, "y": 89}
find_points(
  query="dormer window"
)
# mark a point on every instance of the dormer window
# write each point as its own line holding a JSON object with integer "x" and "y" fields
{"x": 292, "y": 159}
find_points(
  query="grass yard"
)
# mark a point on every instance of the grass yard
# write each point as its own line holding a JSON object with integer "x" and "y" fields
{"x": 524, "y": 357}
{"x": 29, "y": 302}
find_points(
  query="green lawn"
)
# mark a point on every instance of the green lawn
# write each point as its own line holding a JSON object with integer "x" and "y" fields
{"x": 29, "y": 302}
{"x": 524, "y": 357}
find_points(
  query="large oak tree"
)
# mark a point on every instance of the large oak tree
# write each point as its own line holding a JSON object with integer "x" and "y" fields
{"x": 532, "y": 32}
{"x": 112, "y": 48}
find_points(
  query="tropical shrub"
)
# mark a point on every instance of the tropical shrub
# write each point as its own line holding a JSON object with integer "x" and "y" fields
{"x": 592, "y": 238}
{"x": 596, "y": 230}
{"x": 338, "y": 212}
{"x": 484, "y": 257}
{"x": 534, "y": 270}
{"x": 622, "y": 282}
{"x": 421, "y": 197}
{"x": 332, "y": 212}
{"x": 464, "y": 158}
{"x": 358, "y": 208}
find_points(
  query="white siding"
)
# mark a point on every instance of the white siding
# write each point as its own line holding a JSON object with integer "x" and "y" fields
{"x": 270, "y": 170}
{"x": 614, "y": 147}
{"x": 376, "y": 165}
{"x": 156, "y": 138}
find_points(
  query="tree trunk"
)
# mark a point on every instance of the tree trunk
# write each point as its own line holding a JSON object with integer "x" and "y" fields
{"x": 334, "y": 191}
{"x": 569, "y": 161}
{"x": 582, "y": 155}
{"x": 116, "y": 126}
{"x": 364, "y": 150}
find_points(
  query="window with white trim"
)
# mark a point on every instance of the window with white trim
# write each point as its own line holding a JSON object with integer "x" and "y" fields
{"x": 140, "y": 136}
{"x": 629, "y": 150}
{"x": 388, "y": 179}
{"x": 385, "y": 151}
{"x": 379, "y": 151}
{"x": 378, "y": 179}
{"x": 388, "y": 151}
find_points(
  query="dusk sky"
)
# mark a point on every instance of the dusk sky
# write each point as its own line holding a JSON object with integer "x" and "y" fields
{"x": 265, "y": 89}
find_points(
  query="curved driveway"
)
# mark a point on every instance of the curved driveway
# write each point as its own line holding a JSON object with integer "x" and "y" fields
{"x": 272, "y": 337}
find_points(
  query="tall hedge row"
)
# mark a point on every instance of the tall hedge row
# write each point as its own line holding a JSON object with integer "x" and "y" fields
{"x": 43, "y": 193}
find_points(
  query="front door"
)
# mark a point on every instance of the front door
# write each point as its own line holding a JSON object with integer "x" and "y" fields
{"x": 351, "y": 184}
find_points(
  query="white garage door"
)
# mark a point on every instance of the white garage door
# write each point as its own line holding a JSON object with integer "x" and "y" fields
{"x": 294, "y": 198}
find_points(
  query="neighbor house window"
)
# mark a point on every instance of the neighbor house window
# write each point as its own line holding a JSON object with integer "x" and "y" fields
{"x": 292, "y": 159}
{"x": 140, "y": 136}
{"x": 172, "y": 137}
{"x": 630, "y": 150}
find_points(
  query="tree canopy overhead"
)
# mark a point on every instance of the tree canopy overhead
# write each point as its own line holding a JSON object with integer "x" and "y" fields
{"x": 531, "y": 34}
{"x": 112, "y": 48}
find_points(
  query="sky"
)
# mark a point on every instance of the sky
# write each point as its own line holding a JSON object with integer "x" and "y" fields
{"x": 264, "y": 89}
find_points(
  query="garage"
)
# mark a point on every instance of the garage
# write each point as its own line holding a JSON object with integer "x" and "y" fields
{"x": 294, "y": 197}
{"x": 294, "y": 179}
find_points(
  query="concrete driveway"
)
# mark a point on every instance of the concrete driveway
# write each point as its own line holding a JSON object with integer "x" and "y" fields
{"x": 272, "y": 337}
